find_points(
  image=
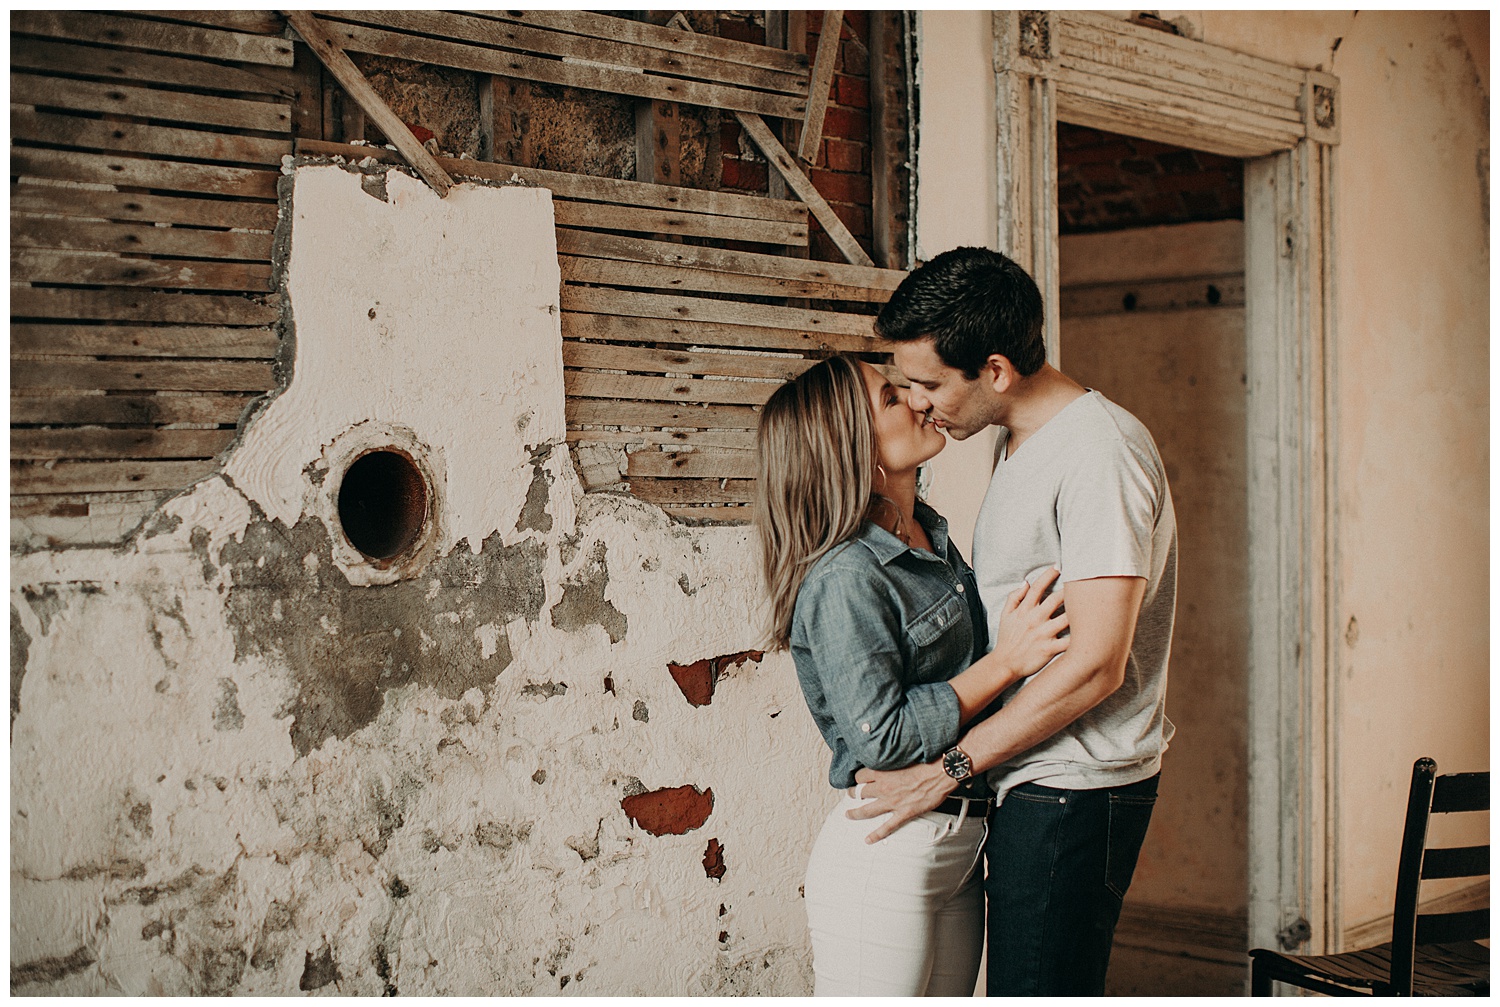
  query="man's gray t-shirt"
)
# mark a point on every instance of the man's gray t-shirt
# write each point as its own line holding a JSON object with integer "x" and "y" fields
{"x": 1087, "y": 493}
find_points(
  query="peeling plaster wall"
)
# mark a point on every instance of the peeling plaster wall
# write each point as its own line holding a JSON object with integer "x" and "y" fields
{"x": 242, "y": 765}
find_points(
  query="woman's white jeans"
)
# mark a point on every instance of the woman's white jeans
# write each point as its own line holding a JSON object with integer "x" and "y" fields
{"x": 901, "y": 917}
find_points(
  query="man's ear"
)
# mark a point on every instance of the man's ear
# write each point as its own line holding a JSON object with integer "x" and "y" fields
{"x": 1000, "y": 372}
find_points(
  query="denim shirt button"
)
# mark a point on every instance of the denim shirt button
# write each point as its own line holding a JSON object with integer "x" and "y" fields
{"x": 960, "y": 588}
{"x": 865, "y": 728}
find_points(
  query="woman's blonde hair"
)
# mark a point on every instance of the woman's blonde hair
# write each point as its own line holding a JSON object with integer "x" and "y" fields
{"x": 815, "y": 450}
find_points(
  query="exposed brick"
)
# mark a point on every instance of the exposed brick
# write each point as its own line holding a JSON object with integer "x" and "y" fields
{"x": 672, "y": 811}
{"x": 856, "y": 218}
{"x": 844, "y": 156}
{"x": 854, "y": 58}
{"x": 824, "y": 250}
{"x": 697, "y": 680}
{"x": 729, "y": 134}
{"x": 741, "y": 31}
{"x": 713, "y": 859}
{"x": 847, "y": 124}
{"x": 857, "y": 23}
{"x": 738, "y": 174}
{"x": 840, "y": 188}
{"x": 852, "y": 91}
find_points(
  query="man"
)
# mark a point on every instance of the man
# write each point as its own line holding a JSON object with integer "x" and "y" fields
{"x": 1075, "y": 752}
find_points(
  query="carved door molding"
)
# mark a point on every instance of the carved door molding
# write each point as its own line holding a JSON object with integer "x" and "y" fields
{"x": 1106, "y": 73}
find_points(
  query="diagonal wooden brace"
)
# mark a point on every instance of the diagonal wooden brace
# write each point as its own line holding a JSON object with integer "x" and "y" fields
{"x": 321, "y": 41}
{"x": 777, "y": 156}
{"x": 819, "y": 85}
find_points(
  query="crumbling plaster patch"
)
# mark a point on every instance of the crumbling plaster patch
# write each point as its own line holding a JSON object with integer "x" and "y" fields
{"x": 183, "y": 821}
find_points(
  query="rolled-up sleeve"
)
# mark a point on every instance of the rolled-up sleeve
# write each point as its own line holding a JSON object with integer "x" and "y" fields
{"x": 853, "y": 659}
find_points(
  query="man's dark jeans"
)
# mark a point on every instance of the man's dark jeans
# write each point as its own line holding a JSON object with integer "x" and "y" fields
{"x": 1058, "y": 863}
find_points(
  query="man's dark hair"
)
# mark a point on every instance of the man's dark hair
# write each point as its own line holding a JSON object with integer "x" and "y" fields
{"x": 971, "y": 302}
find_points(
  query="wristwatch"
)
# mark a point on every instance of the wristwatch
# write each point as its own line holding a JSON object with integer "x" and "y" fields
{"x": 957, "y": 764}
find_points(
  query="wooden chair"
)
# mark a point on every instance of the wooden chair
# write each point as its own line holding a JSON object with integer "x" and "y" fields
{"x": 1429, "y": 954}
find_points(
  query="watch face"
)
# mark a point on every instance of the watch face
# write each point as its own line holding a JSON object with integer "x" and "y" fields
{"x": 957, "y": 765}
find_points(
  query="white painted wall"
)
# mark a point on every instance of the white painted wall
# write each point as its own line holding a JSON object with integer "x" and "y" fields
{"x": 957, "y": 205}
{"x": 168, "y": 837}
{"x": 1410, "y": 364}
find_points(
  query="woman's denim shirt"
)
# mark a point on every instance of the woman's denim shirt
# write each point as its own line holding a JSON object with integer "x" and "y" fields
{"x": 878, "y": 629}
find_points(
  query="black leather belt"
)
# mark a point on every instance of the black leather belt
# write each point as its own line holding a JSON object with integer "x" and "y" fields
{"x": 976, "y": 806}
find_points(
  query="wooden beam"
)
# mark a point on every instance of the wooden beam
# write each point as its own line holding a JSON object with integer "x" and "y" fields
{"x": 778, "y": 157}
{"x": 821, "y": 85}
{"x": 347, "y": 74}
{"x": 658, "y": 142}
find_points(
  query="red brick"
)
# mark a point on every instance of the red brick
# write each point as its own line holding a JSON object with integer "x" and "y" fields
{"x": 670, "y": 811}
{"x": 837, "y": 187}
{"x": 729, "y": 135}
{"x": 738, "y": 174}
{"x": 824, "y": 250}
{"x": 844, "y": 156}
{"x": 847, "y": 123}
{"x": 857, "y": 23}
{"x": 741, "y": 31}
{"x": 852, "y": 91}
{"x": 856, "y": 218}
{"x": 854, "y": 58}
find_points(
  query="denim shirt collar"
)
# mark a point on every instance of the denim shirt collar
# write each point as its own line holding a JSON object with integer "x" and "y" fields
{"x": 887, "y": 547}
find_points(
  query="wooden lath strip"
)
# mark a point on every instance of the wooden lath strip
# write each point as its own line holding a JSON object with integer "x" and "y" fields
{"x": 134, "y": 138}
{"x": 596, "y": 412}
{"x": 101, "y": 444}
{"x": 799, "y": 183}
{"x": 321, "y": 39}
{"x": 852, "y": 282}
{"x": 610, "y": 51}
{"x": 622, "y": 273}
{"x": 127, "y": 410}
{"x": 122, "y": 169}
{"x": 150, "y": 103}
{"x": 142, "y": 68}
{"x": 36, "y": 265}
{"x": 702, "y": 362}
{"x": 154, "y": 36}
{"x": 617, "y": 80}
{"x": 143, "y": 306}
{"x": 821, "y": 85}
{"x": 104, "y": 477}
{"x": 594, "y": 188}
{"x": 708, "y": 309}
{"x": 137, "y": 239}
{"x": 679, "y": 332}
{"x": 670, "y": 39}
{"x": 103, "y": 204}
{"x": 216, "y": 341}
{"x": 650, "y": 221}
{"x": 141, "y": 375}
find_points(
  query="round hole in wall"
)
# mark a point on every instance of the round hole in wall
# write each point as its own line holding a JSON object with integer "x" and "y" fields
{"x": 383, "y": 503}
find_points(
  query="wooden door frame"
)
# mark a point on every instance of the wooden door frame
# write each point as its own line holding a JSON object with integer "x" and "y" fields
{"x": 1110, "y": 74}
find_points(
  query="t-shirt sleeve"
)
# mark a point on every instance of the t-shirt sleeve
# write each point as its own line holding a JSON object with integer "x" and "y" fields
{"x": 1107, "y": 508}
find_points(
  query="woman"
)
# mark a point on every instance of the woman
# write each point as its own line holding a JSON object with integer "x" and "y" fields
{"x": 887, "y": 632}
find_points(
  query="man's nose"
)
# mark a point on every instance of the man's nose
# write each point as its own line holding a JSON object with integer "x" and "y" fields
{"x": 917, "y": 399}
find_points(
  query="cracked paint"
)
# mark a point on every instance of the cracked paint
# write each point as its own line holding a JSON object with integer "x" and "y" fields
{"x": 281, "y": 794}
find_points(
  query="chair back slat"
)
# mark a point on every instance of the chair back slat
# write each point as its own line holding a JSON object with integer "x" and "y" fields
{"x": 1461, "y": 792}
{"x": 1456, "y": 862}
{"x": 1447, "y": 928}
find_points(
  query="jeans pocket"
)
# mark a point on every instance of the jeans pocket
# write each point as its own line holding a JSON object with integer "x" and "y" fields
{"x": 1129, "y": 817}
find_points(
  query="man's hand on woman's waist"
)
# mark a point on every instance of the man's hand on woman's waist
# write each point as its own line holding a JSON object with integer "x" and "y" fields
{"x": 905, "y": 793}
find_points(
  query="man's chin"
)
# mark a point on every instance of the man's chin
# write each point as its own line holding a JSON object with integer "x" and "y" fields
{"x": 957, "y": 433}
